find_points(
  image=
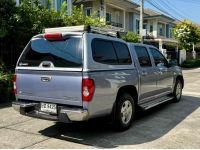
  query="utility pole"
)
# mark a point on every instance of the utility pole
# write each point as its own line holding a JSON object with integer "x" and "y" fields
{"x": 141, "y": 19}
{"x": 193, "y": 51}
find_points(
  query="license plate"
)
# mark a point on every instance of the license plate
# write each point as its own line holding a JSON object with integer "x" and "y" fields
{"x": 50, "y": 108}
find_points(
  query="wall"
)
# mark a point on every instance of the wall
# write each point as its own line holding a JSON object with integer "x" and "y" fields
{"x": 95, "y": 5}
{"x": 182, "y": 56}
{"x": 130, "y": 21}
{"x": 135, "y": 17}
{"x": 114, "y": 13}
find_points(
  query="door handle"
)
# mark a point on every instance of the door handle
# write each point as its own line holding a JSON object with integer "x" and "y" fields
{"x": 144, "y": 73}
{"x": 163, "y": 70}
{"x": 46, "y": 64}
{"x": 46, "y": 79}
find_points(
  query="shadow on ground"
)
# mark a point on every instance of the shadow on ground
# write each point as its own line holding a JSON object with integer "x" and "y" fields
{"x": 5, "y": 105}
{"x": 148, "y": 126}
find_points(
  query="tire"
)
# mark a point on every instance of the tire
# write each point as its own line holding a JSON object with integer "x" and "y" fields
{"x": 124, "y": 112}
{"x": 177, "y": 91}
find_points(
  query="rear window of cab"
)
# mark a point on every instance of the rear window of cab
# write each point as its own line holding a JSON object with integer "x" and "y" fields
{"x": 65, "y": 53}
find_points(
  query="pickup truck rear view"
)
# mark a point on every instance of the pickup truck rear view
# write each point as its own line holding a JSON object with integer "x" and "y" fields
{"x": 69, "y": 74}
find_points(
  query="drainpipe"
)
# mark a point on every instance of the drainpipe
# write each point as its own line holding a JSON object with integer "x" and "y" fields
{"x": 69, "y": 7}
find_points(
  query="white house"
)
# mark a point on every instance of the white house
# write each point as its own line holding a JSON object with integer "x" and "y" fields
{"x": 124, "y": 14}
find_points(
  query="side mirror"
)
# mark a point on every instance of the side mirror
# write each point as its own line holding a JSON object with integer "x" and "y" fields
{"x": 173, "y": 62}
{"x": 161, "y": 64}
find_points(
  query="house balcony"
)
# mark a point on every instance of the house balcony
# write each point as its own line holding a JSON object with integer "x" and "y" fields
{"x": 114, "y": 24}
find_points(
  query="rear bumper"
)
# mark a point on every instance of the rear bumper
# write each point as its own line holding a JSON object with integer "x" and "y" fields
{"x": 64, "y": 114}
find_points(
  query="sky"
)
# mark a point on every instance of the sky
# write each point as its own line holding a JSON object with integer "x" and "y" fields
{"x": 180, "y": 9}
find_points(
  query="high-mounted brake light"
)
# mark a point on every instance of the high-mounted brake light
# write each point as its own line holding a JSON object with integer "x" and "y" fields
{"x": 53, "y": 36}
{"x": 15, "y": 84}
{"x": 88, "y": 88}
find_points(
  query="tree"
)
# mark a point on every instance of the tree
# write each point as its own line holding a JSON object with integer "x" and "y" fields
{"x": 19, "y": 24}
{"x": 32, "y": 18}
{"x": 79, "y": 18}
{"x": 131, "y": 37}
{"x": 7, "y": 17}
{"x": 187, "y": 34}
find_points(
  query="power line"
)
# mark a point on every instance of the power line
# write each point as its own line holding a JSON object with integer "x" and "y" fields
{"x": 160, "y": 8}
{"x": 172, "y": 9}
{"x": 167, "y": 8}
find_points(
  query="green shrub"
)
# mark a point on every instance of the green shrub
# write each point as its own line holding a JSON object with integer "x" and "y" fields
{"x": 19, "y": 24}
{"x": 6, "y": 84}
{"x": 131, "y": 37}
{"x": 191, "y": 63}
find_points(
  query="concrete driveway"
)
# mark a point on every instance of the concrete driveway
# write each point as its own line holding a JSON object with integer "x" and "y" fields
{"x": 171, "y": 125}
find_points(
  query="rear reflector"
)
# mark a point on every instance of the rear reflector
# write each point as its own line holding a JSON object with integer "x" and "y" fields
{"x": 53, "y": 36}
{"x": 88, "y": 88}
{"x": 14, "y": 84}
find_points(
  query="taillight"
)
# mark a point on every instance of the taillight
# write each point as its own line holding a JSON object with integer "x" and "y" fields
{"x": 53, "y": 36}
{"x": 15, "y": 84}
{"x": 88, "y": 88}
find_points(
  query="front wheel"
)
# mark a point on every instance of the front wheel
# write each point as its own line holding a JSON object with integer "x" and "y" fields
{"x": 125, "y": 112}
{"x": 177, "y": 91}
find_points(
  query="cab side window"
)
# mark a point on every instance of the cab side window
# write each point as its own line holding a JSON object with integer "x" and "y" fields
{"x": 103, "y": 52}
{"x": 159, "y": 59}
{"x": 123, "y": 54}
{"x": 143, "y": 56}
{"x": 110, "y": 52}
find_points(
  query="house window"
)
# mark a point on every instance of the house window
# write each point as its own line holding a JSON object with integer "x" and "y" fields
{"x": 108, "y": 17}
{"x": 88, "y": 11}
{"x": 98, "y": 13}
{"x": 161, "y": 29}
{"x": 137, "y": 26}
{"x": 117, "y": 15}
{"x": 59, "y": 4}
{"x": 43, "y": 2}
{"x": 167, "y": 30}
{"x": 170, "y": 32}
{"x": 144, "y": 26}
{"x": 151, "y": 28}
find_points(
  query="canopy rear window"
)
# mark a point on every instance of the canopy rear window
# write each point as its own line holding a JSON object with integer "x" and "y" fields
{"x": 66, "y": 53}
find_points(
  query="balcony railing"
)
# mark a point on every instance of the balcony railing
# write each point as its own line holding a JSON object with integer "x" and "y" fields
{"x": 115, "y": 24}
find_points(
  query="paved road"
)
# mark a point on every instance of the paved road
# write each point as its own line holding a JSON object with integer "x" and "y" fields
{"x": 171, "y": 125}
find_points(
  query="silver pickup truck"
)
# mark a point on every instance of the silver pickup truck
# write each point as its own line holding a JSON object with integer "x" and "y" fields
{"x": 75, "y": 76}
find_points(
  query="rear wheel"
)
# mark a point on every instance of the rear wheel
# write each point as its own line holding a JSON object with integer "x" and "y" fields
{"x": 125, "y": 111}
{"x": 177, "y": 91}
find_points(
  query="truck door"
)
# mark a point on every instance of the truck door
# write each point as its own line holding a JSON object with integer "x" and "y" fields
{"x": 148, "y": 77}
{"x": 165, "y": 74}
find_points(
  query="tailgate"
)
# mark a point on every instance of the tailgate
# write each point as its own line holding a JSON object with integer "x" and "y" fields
{"x": 51, "y": 70}
{"x": 50, "y": 86}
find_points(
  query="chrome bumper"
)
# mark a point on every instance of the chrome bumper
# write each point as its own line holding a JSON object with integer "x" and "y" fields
{"x": 65, "y": 114}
